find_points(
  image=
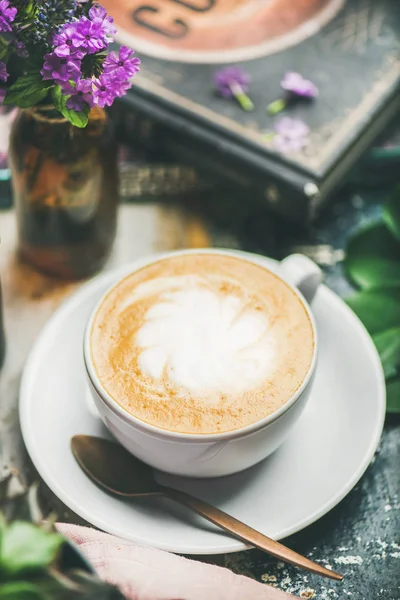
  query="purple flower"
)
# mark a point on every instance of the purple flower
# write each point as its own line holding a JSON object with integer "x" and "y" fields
{"x": 291, "y": 135}
{"x": 98, "y": 15}
{"x": 298, "y": 86}
{"x": 124, "y": 65}
{"x": 234, "y": 82}
{"x": 3, "y": 72}
{"x": 67, "y": 41}
{"x": 90, "y": 36}
{"x": 61, "y": 69}
{"x": 79, "y": 95}
{"x": 20, "y": 49}
{"x": 287, "y": 146}
{"x": 226, "y": 80}
{"x": 291, "y": 128}
{"x": 108, "y": 87}
{"x": 7, "y": 15}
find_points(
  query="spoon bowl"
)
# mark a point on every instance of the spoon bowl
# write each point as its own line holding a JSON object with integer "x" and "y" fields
{"x": 111, "y": 467}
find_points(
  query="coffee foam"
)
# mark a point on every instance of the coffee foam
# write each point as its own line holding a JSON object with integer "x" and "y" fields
{"x": 203, "y": 340}
{"x": 202, "y": 343}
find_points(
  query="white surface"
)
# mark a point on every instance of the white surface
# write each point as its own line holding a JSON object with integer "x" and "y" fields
{"x": 323, "y": 458}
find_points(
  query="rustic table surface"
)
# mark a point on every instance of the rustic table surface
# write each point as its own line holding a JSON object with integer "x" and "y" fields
{"x": 360, "y": 537}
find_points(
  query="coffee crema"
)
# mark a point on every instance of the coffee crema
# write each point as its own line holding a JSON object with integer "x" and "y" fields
{"x": 201, "y": 343}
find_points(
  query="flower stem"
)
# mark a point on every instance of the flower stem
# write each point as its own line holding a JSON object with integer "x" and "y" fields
{"x": 276, "y": 107}
{"x": 269, "y": 136}
{"x": 243, "y": 99}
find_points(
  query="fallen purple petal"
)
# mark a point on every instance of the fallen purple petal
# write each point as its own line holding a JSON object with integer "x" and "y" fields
{"x": 297, "y": 85}
{"x": 286, "y": 145}
{"x": 291, "y": 135}
{"x": 291, "y": 128}
{"x": 228, "y": 78}
{"x": 234, "y": 82}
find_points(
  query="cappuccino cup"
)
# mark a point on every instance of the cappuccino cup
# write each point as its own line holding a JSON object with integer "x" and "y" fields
{"x": 201, "y": 361}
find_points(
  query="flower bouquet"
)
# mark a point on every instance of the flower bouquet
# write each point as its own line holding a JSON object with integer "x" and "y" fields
{"x": 54, "y": 52}
{"x": 63, "y": 156}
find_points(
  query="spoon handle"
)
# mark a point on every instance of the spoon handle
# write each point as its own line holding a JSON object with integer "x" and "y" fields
{"x": 247, "y": 534}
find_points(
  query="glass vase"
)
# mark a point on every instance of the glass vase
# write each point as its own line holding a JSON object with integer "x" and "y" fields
{"x": 65, "y": 184}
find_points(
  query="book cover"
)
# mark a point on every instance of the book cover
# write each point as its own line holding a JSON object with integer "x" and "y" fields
{"x": 349, "y": 49}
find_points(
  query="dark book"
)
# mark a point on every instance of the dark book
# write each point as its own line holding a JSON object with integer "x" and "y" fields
{"x": 348, "y": 49}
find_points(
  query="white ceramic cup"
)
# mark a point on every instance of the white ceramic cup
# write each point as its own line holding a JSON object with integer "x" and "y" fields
{"x": 217, "y": 454}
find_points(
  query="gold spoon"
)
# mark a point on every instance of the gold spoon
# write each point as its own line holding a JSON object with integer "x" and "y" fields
{"x": 111, "y": 467}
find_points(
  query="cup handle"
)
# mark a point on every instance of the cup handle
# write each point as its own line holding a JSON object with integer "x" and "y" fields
{"x": 303, "y": 273}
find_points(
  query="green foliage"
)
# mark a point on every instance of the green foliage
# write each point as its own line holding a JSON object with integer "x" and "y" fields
{"x": 4, "y": 48}
{"x": 31, "y": 568}
{"x": 393, "y": 395}
{"x": 388, "y": 345}
{"x": 78, "y": 119}
{"x": 373, "y": 258}
{"x": 378, "y": 310}
{"x": 373, "y": 265}
{"x": 33, "y": 565}
{"x": 391, "y": 213}
{"x": 25, "y": 547}
{"x": 28, "y": 90}
{"x": 20, "y": 590}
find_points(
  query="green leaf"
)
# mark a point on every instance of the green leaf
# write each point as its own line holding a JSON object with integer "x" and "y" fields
{"x": 27, "y": 84}
{"x": 391, "y": 213}
{"x": 58, "y": 97}
{"x": 20, "y": 590}
{"x": 388, "y": 345}
{"x": 78, "y": 119}
{"x": 373, "y": 258}
{"x": 27, "y": 547}
{"x": 25, "y": 81}
{"x": 4, "y": 52}
{"x": 29, "y": 100}
{"x": 28, "y": 90}
{"x": 378, "y": 310}
{"x": 393, "y": 396}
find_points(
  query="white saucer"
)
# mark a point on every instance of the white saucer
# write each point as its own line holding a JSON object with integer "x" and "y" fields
{"x": 324, "y": 457}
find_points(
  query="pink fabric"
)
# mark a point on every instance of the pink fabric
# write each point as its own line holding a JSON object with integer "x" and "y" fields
{"x": 146, "y": 574}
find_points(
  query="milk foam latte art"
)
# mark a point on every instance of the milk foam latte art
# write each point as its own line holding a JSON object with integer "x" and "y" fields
{"x": 201, "y": 343}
